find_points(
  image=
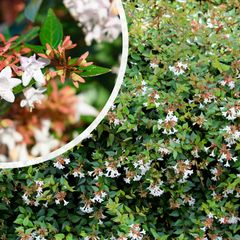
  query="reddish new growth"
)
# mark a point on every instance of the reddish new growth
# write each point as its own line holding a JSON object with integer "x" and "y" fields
{"x": 60, "y": 107}
{"x": 65, "y": 65}
{"x": 8, "y": 56}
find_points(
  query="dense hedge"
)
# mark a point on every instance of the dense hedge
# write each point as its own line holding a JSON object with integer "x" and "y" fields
{"x": 165, "y": 162}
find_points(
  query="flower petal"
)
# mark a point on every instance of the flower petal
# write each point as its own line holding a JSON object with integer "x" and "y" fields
{"x": 14, "y": 82}
{"x": 23, "y": 103}
{"x": 24, "y": 62}
{"x": 6, "y": 72}
{"x": 43, "y": 61}
{"x": 7, "y": 95}
{"x": 39, "y": 77}
{"x": 26, "y": 78}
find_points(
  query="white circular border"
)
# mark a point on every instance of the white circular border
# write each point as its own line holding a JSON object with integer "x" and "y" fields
{"x": 86, "y": 133}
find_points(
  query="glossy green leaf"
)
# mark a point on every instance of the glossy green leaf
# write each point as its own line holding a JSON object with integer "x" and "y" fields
{"x": 52, "y": 31}
{"x": 93, "y": 70}
{"x": 59, "y": 236}
{"x": 220, "y": 66}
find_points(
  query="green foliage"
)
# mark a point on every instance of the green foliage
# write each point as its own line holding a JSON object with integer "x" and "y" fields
{"x": 194, "y": 170}
{"x": 93, "y": 71}
{"x": 51, "y": 31}
{"x": 27, "y": 37}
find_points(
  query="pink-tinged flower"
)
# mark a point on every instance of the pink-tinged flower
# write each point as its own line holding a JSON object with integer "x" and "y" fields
{"x": 61, "y": 162}
{"x": 179, "y": 68}
{"x": 86, "y": 208}
{"x": 99, "y": 19}
{"x": 7, "y": 83}
{"x": 45, "y": 143}
{"x": 99, "y": 196}
{"x": 83, "y": 108}
{"x": 155, "y": 189}
{"x": 168, "y": 124}
{"x": 32, "y": 69}
{"x": 32, "y": 96}
{"x": 10, "y": 137}
{"x": 111, "y": 169}
{"x": 135, "y": 232}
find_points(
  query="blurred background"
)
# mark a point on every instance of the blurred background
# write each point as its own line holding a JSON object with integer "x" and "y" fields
{"x": 95, "y": 26}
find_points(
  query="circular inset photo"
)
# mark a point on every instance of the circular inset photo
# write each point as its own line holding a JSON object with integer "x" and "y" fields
{"x": 62, "y": 63}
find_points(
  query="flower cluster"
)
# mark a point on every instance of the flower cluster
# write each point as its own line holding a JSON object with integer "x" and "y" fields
{"x": 130, "y": 180}
{"x": 39, "y": 96}
{"x": 99, "y": 19}
{"x": 168, "y": 124}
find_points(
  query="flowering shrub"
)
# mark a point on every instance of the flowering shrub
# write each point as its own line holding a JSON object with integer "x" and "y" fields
{"x": 40, "y": 96}
{"x": 99, "y": 19}
{"x": 165, "y": 162}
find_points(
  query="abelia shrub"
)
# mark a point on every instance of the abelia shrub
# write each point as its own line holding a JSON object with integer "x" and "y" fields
{"x": 165, "y": 162}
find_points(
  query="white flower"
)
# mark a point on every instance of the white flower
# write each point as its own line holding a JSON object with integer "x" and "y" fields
{"x": 19, "y": 153}
{"x": 86, "y": 208}
{"x": 3, "y": 158}
{"x": 166, "y": 16}
{"x": 168, "y": 124}
{"x": 79, "y": 174}
{"x": 187, "y": 173}
{"x": 143, "y": 167}
{"x": 96, "y": 173}
{"x": 26, "y": 199}
{"x": 222, "y": 220}
{"x": 60, "y": 163}
{"x": 229, "y": 83}
{"x": 127, "y": 180}
{"x": 66, "y": 160}
{"x": 84, "y": 108}
{"x": 32, "y": 96}
{"x": 44, "y": 141}
{"x": 137, "y": 178}
{"x": 163, "y": 150}
{"x": 144, "y": 83}
{"x": 179, "y": 68}
{"x": 231, "y": 113}
{"x": 155, "y": 190}
{"x": 191, "y": 201}
{"x": 7, "y": 83}
{"x": 136, "y": 233}
{"x": 39, "y": 185}
{"x": 99, "y": 196}
{"x": 32, "y": 69}
{"x": 233, "y": 220}
{"x": 232, "y": 135}
{"x": 112, "y": 172}
{"x": 98, "y": 18}
{"x": 153, "y": 65}
{"x": 9, "y": 136}
{"x": 210, "y": 215}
